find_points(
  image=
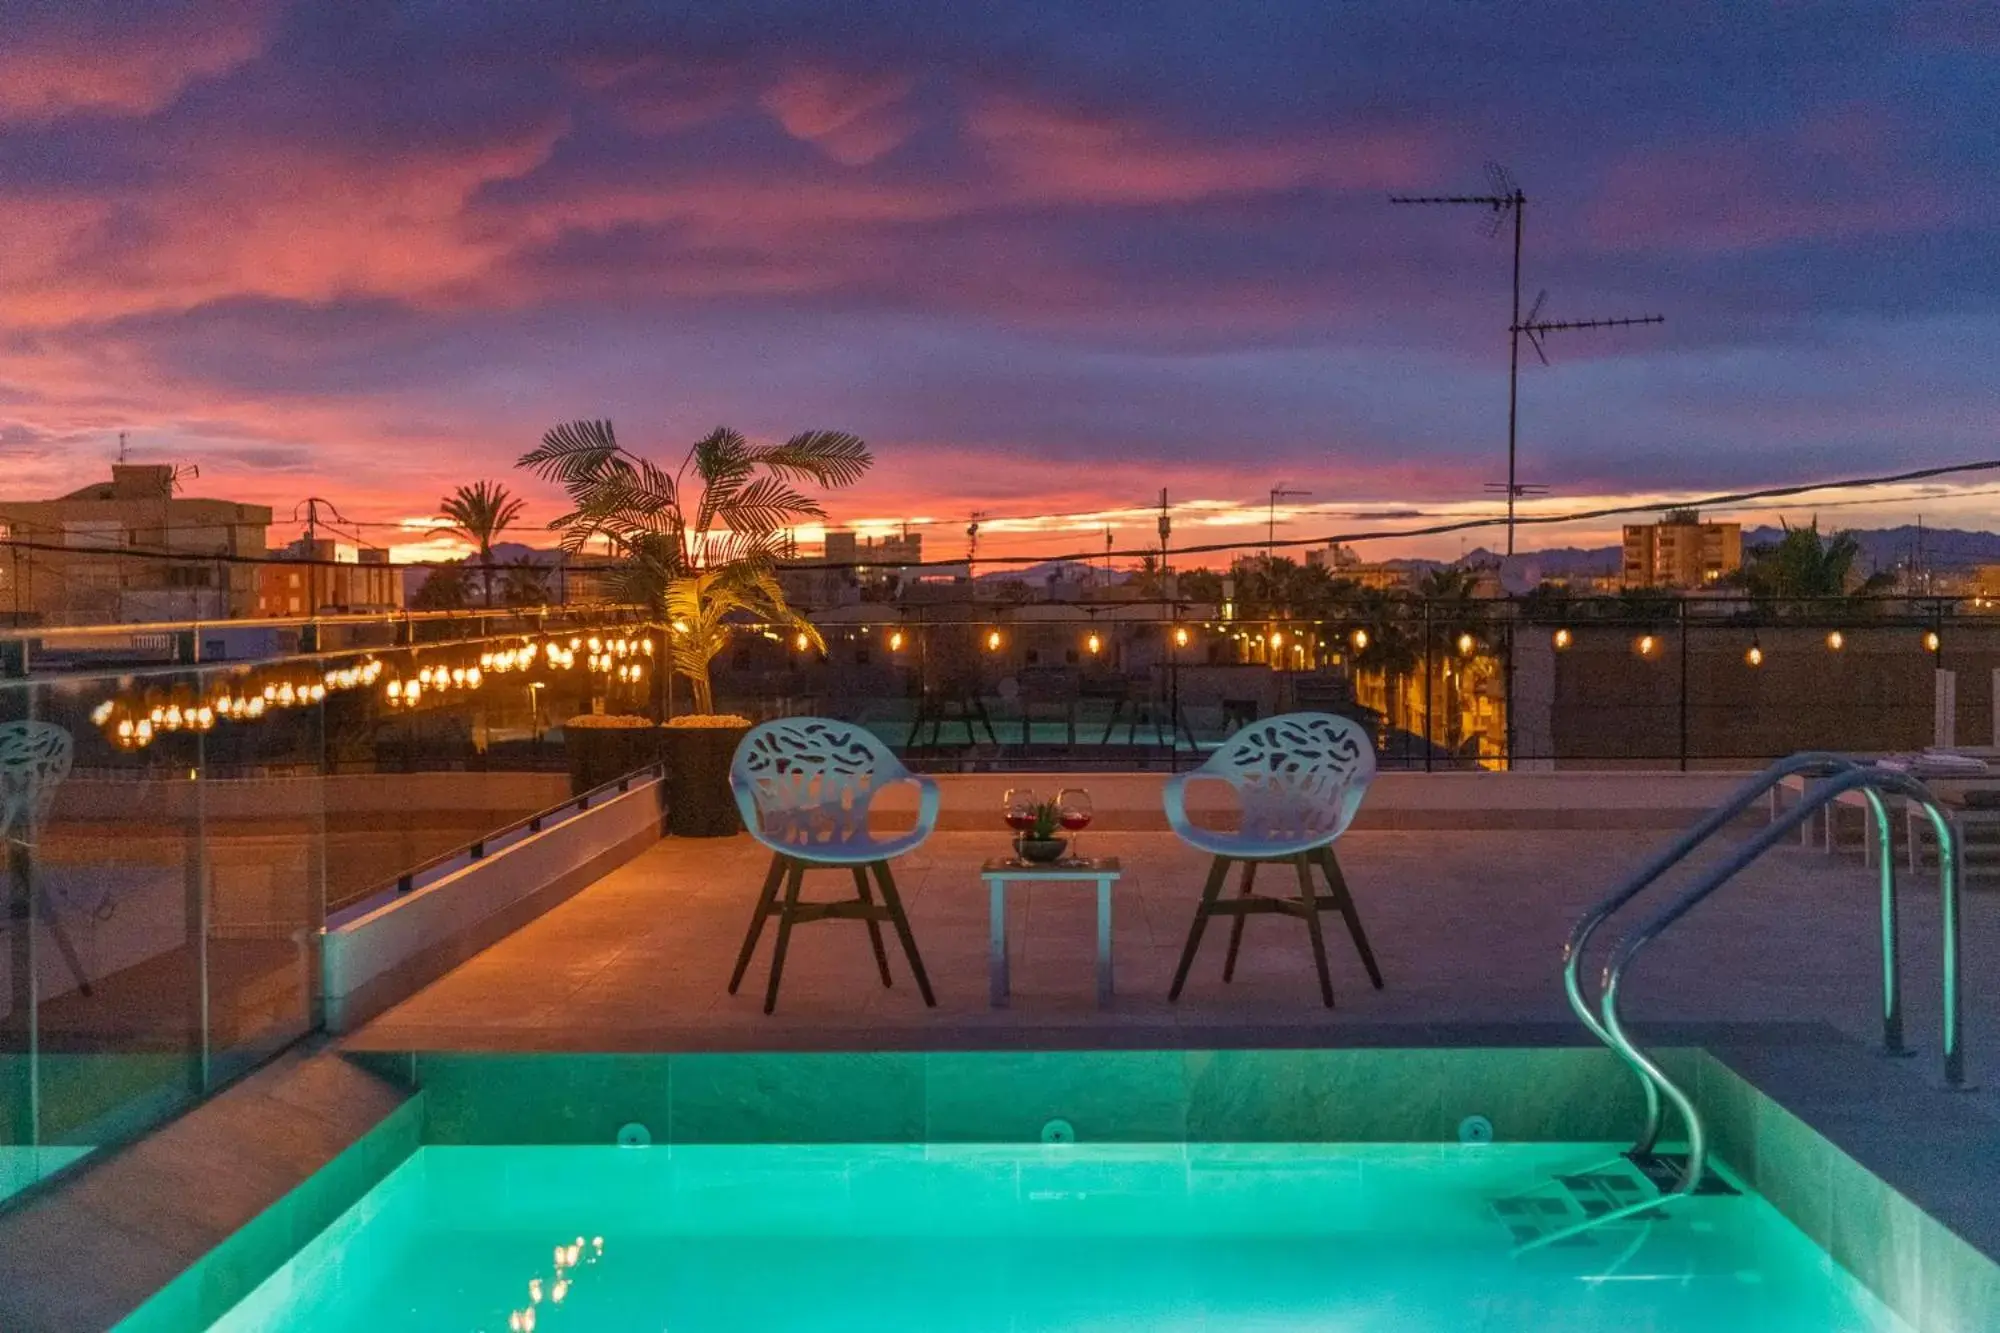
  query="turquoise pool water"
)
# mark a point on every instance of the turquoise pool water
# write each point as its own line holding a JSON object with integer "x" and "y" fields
{"x": 1157, "y": 1237}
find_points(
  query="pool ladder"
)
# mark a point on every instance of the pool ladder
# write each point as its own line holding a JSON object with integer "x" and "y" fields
{"x": 1838, "y": 774}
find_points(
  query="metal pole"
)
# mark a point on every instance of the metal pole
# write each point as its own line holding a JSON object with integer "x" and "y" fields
{"x": 1682, "y": 610}
{"x": 1427, "y": 685}
{"x": 1514, "y": 366}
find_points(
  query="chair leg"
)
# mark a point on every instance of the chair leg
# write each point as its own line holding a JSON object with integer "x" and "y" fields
{"x": 792, "y": 879}
{"x": 894, "y": 902}
{"x": 874, "y": 926}
{"x": 765, "y": 898}
{"x": 1311, "y": 902}
{"x": 1329, "y": 865}
{"x": 1217, "y": 873}
{"x": 1236, "y": 926}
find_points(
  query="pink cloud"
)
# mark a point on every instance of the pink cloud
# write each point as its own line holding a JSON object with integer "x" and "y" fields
{"x": 853, "y": 119}
{"x": 129, "y": 62}
{"x": 1047, "y": 154}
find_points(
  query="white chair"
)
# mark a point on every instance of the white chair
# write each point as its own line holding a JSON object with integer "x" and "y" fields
{"x": 804, "y": 785}
{"x": 35, "y": 758}
{"x": 1299, "y": 778}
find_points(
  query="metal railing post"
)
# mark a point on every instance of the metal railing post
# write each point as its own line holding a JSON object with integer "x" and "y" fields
{"x": 1682, "y": 611}
{"x": 1427, "y": 684}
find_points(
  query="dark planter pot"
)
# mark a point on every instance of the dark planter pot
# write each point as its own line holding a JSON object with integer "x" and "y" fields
{"x": 699, "y": 804}
{"x": 1042, "y": 850}
{"x": 598, "y": 755}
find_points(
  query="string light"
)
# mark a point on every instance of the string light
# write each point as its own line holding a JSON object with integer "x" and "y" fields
{"x": 1466, "y": 643}
{"x": 1755, "y": 657}
{"x": 1931, "y": 641}
{"x": 1180, "y": 636}
{"x": 993, "y": 641}
{"x": 1563, "y": 639}
{"x": 896, "y": 641}
{"x": 1093, "y": 643}
{"x": 1360, "y": 640}
{"x": 1647, "y": 643}
{"x": 1836, "y": 641}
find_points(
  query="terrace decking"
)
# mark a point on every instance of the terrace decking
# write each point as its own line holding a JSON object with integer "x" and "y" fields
{"x": 1468, "y": 927}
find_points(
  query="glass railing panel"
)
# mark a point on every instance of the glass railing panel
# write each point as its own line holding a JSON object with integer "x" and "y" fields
{"x": 103, "y": 968}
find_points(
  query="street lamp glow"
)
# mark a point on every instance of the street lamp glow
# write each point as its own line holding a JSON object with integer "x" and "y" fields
{"x": 1563, "y": 639}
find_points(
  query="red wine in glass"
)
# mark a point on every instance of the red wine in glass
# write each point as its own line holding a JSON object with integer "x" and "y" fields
{"x": 1018, "y": 809}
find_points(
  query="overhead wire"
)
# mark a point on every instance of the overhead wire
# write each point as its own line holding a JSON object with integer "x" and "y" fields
{"x": 1084, "y": 556}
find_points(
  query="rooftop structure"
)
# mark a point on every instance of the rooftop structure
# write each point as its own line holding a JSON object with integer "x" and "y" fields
{"x": 1681, "y": 551}
{"x": 130, "y": 549}
{"x": 330, "y": 576}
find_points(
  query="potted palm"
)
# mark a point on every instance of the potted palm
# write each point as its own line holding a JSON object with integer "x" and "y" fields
{"x": 700, "y": 546}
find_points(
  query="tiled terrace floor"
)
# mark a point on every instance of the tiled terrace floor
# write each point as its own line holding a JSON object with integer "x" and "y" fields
{"x": 1468, "y": 927}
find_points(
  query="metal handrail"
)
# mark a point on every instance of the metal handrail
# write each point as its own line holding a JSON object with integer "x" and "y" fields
{"x": 1857, "y": 777}
{"x": 1716, "y": 820}
{"x": 475, "y": 850}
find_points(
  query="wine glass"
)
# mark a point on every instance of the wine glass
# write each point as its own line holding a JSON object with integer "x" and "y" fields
{"x": 1018, "y": 808}
{"x": 1073, "y": 813}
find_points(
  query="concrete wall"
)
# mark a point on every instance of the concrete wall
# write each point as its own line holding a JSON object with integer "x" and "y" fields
{"x": 1601, "y": 704}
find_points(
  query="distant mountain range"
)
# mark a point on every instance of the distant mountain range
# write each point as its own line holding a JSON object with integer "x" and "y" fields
{"x": 1881, "y": 548}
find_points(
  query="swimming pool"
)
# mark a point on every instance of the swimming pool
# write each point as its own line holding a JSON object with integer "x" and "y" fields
{"x": 1129, "y": 1236}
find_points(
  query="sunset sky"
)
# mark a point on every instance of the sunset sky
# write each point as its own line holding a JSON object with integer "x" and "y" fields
{"x": 1045, "y": 258}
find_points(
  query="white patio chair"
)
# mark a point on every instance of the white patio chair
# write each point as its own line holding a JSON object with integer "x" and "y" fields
{"x": 804, "y": 785}
{"x": 1299, "y": 778}
{"x": 35, "y": 758}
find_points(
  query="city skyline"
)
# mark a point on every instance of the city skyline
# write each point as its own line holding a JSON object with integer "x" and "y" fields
{"x": 1043, "y": 265}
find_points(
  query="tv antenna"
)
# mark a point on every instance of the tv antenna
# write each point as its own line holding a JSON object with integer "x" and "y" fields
{"x": 1166, "y": 529}
{"x": 182, "y": 472}
{"x": 1505, "y": 199}
{"x": 1278, "y": 492}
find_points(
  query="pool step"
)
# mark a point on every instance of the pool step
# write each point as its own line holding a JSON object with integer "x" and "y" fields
{"x": 1564, "y": 1200}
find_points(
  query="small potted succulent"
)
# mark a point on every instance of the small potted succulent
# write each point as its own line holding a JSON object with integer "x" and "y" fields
{"x": 1042, "y": 841}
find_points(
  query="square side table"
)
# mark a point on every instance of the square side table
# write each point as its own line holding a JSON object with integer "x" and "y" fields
{"x": 1003, "y": 871}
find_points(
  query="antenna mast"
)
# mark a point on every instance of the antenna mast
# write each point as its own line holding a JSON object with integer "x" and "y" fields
{"x": 1278, "y": 492}
{"x": 1507, "y": 199}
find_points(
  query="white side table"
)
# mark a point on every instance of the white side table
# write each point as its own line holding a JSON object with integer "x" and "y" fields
{"x": 999, "y": 873}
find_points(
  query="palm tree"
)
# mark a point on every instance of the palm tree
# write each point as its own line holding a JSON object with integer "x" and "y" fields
{"x": 442, "y": 590}
{"x": 700, "y": 544}
{"x": 524, "y": 583}
{"x": 1802, "y": 567}
{"x": 480, "y": 513}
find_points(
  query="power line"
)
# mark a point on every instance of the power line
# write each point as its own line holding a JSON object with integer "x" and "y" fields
{"x": 1726, "y": 500}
